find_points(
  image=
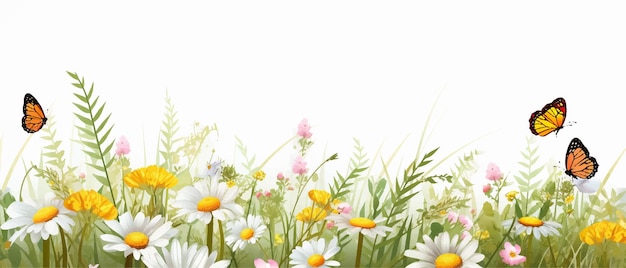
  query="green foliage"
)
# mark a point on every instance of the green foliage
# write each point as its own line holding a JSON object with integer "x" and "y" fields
{"x": 94, "y": 131}
{"x": 525, "y": 177}
{"x": 168, "y": 133}
{"x": 60, "y": 178}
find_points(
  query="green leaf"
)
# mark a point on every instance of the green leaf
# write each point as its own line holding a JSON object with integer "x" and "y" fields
{"x": 518, "y": 210}
{"x": 72, "y": 75}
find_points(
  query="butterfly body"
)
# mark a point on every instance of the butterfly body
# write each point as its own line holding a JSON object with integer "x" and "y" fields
{"x": 549, "y": 119}
{"x": 578, "y": 163}
{"x": 34, "y": 118}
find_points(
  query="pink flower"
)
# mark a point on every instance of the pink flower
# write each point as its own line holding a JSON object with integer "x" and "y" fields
{"x": 510, "y": 254}
{"x": 122, "y": 146}
{"x": 344, "y": 208}
{"x": 304, "y": 129}
{"x": 82, "y": 175}
{"x": 493, "y": 172}
{"x": 486, "y": 188}
{"x": 466, "y": 221}
{"x": 299, "y": 166}
{"x": 260, "y": 263}
{"x": 465, "y": 234}
{"x": 453, "y": 217}
{"x": 330, "y": 225}
{"x": 268, "y": 194}
{"x": 258, "y": 194}
{"x": 280, "y": 176}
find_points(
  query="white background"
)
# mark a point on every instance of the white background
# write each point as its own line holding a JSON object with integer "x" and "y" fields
{"x": 362, "y": 69}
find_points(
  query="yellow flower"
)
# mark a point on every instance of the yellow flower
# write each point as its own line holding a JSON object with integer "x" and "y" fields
{"x": 511, "y": 195}
{"x": 311, "y": 213}
{"x": 230, "y": 183}
{"x": 259, "y": 175}
{"x": 604, "y": 230}
{"x": 482, "y": 235}
{"x": 319, "y": 196}
{"x": 278, "y": 239}
{"x": 93, "y": 202}
{"x": 569, "y": 199}
{"x": 443, "y": 213}
{"x": 151, "y": 177}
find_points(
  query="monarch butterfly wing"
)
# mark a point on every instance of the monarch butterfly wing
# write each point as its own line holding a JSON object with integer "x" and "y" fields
{"x": 578, "y": 163}
{"x": 549, "y": 119}
{"x": 34, "y": 118}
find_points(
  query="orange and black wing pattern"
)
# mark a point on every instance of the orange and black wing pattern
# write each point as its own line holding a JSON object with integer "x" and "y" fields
{"x": 549, "y": 119}
{"x": 34, "y": 118}
{"x": 578, "y": 163}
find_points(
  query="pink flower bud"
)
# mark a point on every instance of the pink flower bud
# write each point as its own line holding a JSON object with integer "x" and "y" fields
{"x": 486, "y": 188}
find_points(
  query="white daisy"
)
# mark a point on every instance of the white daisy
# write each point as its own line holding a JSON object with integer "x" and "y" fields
{"x": 315, "y": 253}
{"x": 533, "y": 225}
{"x": 184, "y": 256}
{"x": 244, "y": 231}
{"x": 138, "y": 236}
{"x": 445, "y": 252}
{"x": 354, "y": 225}
{"x": 203, "y": 202}
{"x": 40, "y": 221}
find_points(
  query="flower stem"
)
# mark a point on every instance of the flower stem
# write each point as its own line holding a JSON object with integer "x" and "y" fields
{"x": 251, "y": 195}
{"x": 501, "y": 242}
{"x": 80, "y": 244}
{"x": 551, "y": 250}
{"x": 129, "y": 261}
{"x": 209, "y": 235}
{"x": 529, "y": 245}
{"x": 220, "y": 255}
{"x": 359, "y": 247}
{"x": 64, "y": 246}
{"x": 46, "y": 252}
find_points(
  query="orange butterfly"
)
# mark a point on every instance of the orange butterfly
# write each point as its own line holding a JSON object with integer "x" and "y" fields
{"x": 34, "y": 118}
{"x": 549, "y": 119}
{"x": 578, "y": 163}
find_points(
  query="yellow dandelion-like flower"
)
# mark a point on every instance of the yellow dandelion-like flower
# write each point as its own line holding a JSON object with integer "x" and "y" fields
{"x": 320, "y": 197}
{"x": 93, "y": 202}
{"x": 569, "y": 199}
{"x": 511, "y": 195}
{"x": 443, "y": 213}
{"x": 151, "y": 177}
{"x": 278, "y": 239}
{"x": 482, "y": 235}
{"x": 311, "y": 214}
{"x": 604, "y": 230}
{"x": 259, "y": 175}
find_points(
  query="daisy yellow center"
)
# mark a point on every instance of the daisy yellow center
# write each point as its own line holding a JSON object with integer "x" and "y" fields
{"x": 448, "y": 260}
{"x": 363, "y": 223}
{"x": 209, "y": 204}
{"x": 136, "y": 240}
{"x": 530, "y": 221}
{"x": 316, "y": 260}
{"x": 45, "y": 214}
{"x": 246, "y": 233}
